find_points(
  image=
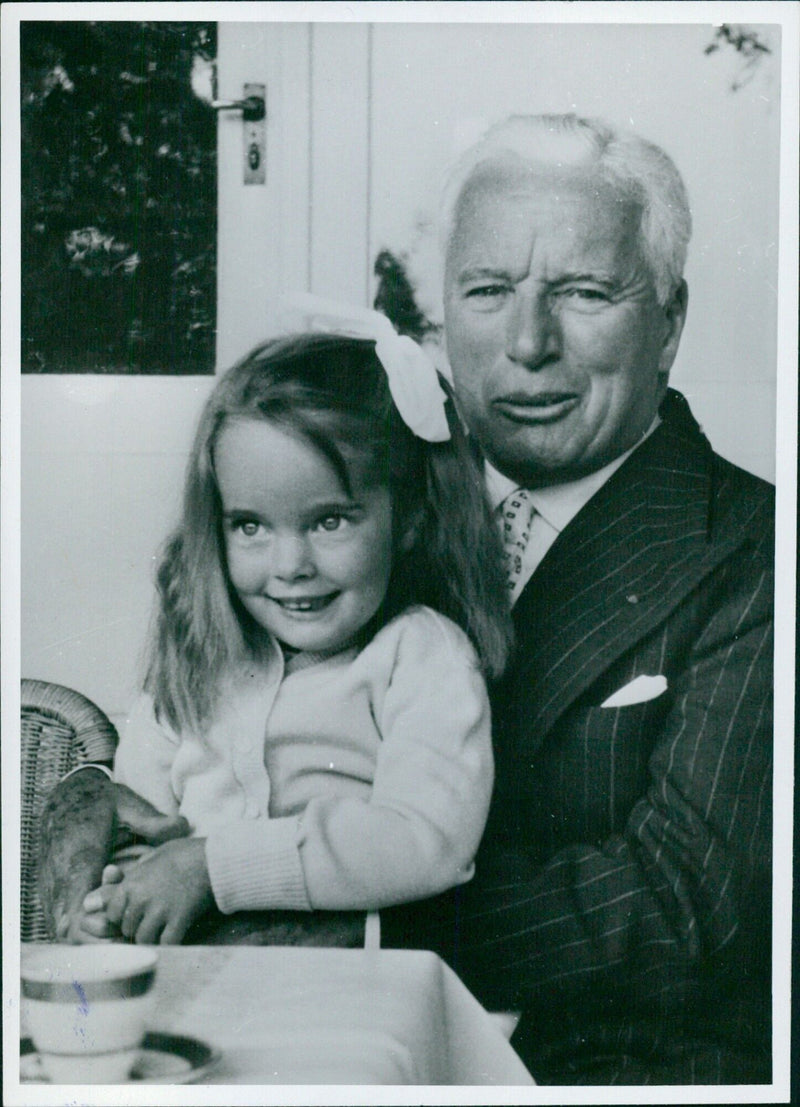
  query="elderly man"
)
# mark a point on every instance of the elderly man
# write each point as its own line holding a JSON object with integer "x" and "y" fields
{"x": 622, "y": 896}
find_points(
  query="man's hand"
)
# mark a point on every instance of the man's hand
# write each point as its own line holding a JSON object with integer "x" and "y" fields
{"x": 138, "y": 819}
{"x": 76, "y": 837}
{"x": 85, "y": 818}
{"x": 159, "y": 896}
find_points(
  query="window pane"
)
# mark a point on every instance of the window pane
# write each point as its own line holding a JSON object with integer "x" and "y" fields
{"x": 119, "y": 197}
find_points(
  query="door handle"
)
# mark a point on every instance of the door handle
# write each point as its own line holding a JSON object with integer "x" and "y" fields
{"x": 253, "y": 107}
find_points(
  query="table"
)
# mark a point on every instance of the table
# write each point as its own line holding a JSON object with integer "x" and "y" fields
{"x": 285, "y": 1015}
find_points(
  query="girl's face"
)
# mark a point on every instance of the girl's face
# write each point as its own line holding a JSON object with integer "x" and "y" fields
{"x": 310, "y": 563}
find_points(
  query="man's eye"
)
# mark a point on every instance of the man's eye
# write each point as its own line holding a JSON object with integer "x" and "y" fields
{"x": 596, "y": 295}
{"x": 486, "y": 291}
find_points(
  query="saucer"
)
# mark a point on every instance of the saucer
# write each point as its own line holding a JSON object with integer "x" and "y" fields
{"x": 163, "y": 1059}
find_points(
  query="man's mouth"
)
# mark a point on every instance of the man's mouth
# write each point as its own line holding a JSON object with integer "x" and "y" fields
{"x": 538, "y": 407}
{"x": 301, "y": 605}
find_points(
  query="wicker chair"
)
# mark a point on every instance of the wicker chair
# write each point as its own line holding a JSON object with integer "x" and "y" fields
{"x": 60, "y": 730}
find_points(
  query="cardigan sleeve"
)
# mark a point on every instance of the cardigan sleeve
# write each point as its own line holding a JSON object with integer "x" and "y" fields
{"x": 416, "y": 833}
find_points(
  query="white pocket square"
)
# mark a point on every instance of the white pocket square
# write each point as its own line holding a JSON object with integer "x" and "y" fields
{"x": 641, "y": 689}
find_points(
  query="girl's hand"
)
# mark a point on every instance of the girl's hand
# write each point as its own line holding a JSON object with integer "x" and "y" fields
{"x": 160, "y": 896}
{"x": 94, "y": 925}
{"x": 79, "y": 926}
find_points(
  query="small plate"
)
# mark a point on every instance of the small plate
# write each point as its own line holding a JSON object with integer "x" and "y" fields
{"x": 164, "y": 1059}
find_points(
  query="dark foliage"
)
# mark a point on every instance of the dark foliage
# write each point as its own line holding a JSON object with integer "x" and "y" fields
{"x": 747, "y": 45}
{"x": 119, "y": 199}
{"x": 396, "y": 299}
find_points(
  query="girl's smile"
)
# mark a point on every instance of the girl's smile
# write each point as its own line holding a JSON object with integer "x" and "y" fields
{"x": 301, "y": 605}
{"x": 308, "y": 561}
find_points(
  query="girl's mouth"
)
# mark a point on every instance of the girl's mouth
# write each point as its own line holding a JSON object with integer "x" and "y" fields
{"x": 304, "y": 604}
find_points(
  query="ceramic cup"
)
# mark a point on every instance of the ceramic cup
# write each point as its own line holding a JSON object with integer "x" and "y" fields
{"x": 87, "y": 1008}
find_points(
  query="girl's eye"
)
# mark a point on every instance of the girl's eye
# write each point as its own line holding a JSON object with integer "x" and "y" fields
{"x": 248, "y": 527}
{"x": 330, "y": 522}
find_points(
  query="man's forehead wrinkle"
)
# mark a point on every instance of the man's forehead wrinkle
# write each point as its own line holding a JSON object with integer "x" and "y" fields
{"x": 565, "y": 232}
{"x": 589, "y": 175}
{"x": 537, "y": 191}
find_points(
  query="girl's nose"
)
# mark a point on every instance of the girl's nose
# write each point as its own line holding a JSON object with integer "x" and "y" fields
{"x": 291, "y": 557}
{"x": 533, "y": 337}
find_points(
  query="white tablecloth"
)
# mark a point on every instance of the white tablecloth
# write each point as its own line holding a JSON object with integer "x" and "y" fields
{"x": 308, "y": 1016}
{"x": 327, "y": 1016}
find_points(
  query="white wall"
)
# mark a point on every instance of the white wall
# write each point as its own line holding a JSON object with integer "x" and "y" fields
{"x": 361, "y": 122}
{"x": 102, "y": 465}
{"x": 435, "y": 88}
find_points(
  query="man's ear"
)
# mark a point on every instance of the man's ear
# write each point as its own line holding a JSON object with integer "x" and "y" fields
{"x": 674, "y": 316}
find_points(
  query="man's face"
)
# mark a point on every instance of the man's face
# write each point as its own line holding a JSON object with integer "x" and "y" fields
{"x": 559, "y": 349}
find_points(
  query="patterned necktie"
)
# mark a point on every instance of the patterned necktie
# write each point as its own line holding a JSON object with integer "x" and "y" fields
{"x": 517, "y": 512}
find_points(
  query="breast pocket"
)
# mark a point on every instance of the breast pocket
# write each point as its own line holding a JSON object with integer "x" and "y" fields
{"x": 641, "y": 689}
{"x": 595, "y": 764}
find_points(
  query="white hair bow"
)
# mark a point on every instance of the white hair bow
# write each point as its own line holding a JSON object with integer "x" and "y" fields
{"x": 413, "y": 380}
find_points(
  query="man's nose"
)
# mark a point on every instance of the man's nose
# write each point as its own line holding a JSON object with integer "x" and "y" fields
{"x": 533, "y": 336}
{"x": 292, "y": 557}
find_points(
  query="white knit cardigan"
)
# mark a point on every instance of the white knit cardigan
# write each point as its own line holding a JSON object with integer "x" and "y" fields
{"x": 360, "y": 781}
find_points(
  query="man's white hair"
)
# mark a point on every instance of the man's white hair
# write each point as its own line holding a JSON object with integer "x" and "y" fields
{"x": 640, "y": 170}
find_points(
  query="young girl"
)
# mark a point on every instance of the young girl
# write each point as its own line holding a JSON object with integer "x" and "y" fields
{"x": 315, "y": 704}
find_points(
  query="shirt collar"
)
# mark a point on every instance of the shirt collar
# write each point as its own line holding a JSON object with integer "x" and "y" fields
{"x": 558, "y": 504}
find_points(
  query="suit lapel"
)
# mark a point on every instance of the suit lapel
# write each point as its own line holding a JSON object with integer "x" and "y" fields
{"x": 629, "y": 557}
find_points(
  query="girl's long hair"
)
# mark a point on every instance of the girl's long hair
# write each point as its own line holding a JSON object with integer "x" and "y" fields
{"x": 331, "y": 391}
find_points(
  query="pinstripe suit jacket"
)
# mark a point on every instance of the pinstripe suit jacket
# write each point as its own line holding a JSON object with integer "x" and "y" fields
{"x": 622, "y": 892}
{"x": 622, "y": 895}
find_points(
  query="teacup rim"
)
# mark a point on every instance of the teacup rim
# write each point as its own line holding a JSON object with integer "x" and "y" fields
{"x": 95, "y": 962}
